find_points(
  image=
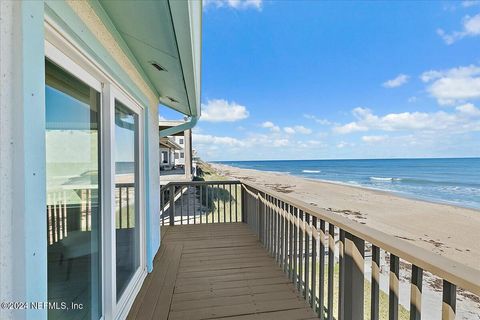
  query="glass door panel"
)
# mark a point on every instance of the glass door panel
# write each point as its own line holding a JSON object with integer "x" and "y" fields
{"x": 127, "y": 226}
{"x": 73, "y": 195}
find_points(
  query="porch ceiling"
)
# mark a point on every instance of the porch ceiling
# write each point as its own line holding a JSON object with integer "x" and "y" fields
{"x": 159, "y": 32}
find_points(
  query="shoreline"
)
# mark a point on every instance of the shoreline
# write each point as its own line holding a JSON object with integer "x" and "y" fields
{"x": 398, "y": 193}
{"x": 388, "y": 211}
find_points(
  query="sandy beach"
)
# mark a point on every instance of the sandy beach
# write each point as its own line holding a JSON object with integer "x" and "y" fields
{"x": 444, "y": 229}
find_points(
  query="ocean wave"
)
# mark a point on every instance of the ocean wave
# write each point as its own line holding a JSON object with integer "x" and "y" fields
{"x": 384, "y": 179}
{"x": 311, "y": 171}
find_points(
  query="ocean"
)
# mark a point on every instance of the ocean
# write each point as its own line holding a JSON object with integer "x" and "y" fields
{"x": 453, "y": 181}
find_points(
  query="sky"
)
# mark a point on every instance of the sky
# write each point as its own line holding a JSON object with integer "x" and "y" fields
{"x": 337, "y": 80}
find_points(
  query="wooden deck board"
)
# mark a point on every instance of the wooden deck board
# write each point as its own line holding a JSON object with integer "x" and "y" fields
{"x": 216, "y": 271}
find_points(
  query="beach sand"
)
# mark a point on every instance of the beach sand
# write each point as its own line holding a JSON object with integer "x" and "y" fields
{"x": 447, "y": 230}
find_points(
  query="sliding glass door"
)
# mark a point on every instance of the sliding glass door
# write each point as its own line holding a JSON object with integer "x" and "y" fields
{"x": 127, "y": 226}
{"x": 73, "y": 196}
{"x": 94, "y": 181}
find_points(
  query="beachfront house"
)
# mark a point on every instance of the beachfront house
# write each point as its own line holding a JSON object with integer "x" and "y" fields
{"x": 88, "y": 233}
{"x": 80, "y": 90}
{"x": 168, "y": 148}
{"x": 181, "y": 163}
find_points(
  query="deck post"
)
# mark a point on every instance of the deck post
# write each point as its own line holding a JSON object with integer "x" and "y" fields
{"x": 244, "y": 205}
{"x": 449, "y": 300}
{"x": 353, "y": 293}
{"x": 172, "y": 206}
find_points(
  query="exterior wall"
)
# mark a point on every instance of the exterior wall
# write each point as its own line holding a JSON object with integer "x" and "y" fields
{"x": 23, "y": 251}
{"x": 22, "y": 150}
{"x": 179, "y": 160}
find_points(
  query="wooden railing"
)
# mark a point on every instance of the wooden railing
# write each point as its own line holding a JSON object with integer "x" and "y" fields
{"x": 324, "y": 254}
{"x": 200, "y": 202}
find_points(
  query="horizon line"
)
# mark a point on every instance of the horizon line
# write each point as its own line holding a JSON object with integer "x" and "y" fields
{"x": 336, "y": 159}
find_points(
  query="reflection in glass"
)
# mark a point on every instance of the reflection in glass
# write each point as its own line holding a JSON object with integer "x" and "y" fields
{"x": 73, "y": 195}
{"x": 126, "y": 196}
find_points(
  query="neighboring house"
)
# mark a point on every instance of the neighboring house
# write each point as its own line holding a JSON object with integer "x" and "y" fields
{"x": 79, "y": 192}
{"x": 168, "y": 152}
{"x": 182, "y": 156}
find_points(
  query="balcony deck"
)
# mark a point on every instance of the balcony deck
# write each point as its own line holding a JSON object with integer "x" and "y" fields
{"x": 216, "y": 271}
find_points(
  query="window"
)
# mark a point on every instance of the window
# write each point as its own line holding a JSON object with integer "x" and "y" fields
{"x": 176, "y": 155}
{"x": 127, "y": 234}
{"x": 164, "y": 157}
{"x": 73, "y": 194}
{"x": 182, "y": 155}
{"x": 181, "y": 141}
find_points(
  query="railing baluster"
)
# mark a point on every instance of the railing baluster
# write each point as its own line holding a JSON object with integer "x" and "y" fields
{"x": 416, "y": 293}
{"x": 269, "y": 245}
{"x": 201, "y": 203}
{"x": 181, "y": 205}
{"x": 290, "y": 245}
{"x": 172, "y": 206}
{"x": 230, "y": 200}
{"x": 285, "y": 239}
{"x": 236, "y": 203}
{"x": 393, "y": 291}
{"x": 375, "y": 284}
{"x": 119, "y": 208}
{"x": 313, "y": 295}
{"x": 331, "y": 266}
{"x": 218, "y": 203}
{"x": 341, "y": 275}
{"x": 449, "y": 301}
{"x": 162, "y": 215}
{"x": 353, "y": 284}
{"x": 321, "y": 272}
{"x": 301, "y": 254}
{"x": 295, "y": 246}
{"x": 224, "y": 205}
{"x": 128, "y": 207}
{"x": 307, "y": 258}
{"x": 278, "y": 230}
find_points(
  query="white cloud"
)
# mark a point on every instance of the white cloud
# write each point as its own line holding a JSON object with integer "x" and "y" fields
{"x": 297, "y": 129}
{"x": 234, "y": 4}
{"x": 412, "y": 99}
{"x": 398, "y": 81}
{"x": 343, "y": 144}
{"x": 270, "y": 125}
{"x": 280, "y": 142}
{"x": 219, "y": 110}
{"x": 349, "y": 128}
{"x": 321, "y": 121}
{"x": 471, "y": 28}
{"x": 217, "y": 140}
{"x": 465, "y": 119}
{"x": 289, "y": 130}
{"x": 370, "y": 139}
{"x": 469, "y": 110}
{"x": 470, "y": 3}
{"x": 453, "y": 85}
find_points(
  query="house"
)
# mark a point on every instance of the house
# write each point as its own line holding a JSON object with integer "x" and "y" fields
{"x": 81, "y": 85}
{"x": 182, "y": 157}
{"x": 168, "y": 152}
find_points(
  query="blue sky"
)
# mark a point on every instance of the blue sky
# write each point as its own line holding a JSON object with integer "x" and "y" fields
{"x": 323, "y": 80}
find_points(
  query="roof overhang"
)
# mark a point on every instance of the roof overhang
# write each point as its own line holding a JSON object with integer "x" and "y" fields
{"x": 164, "y": 38}
{"x": 175, "y": 125}
{"x": 169, "y": 143}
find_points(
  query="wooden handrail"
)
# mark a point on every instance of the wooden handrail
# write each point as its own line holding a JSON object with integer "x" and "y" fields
{"x": 454, "y": 272}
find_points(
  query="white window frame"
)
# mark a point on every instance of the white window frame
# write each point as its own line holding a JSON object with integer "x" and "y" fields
{"x": 122, "y": 306}
{"x": 62, "y": 50}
